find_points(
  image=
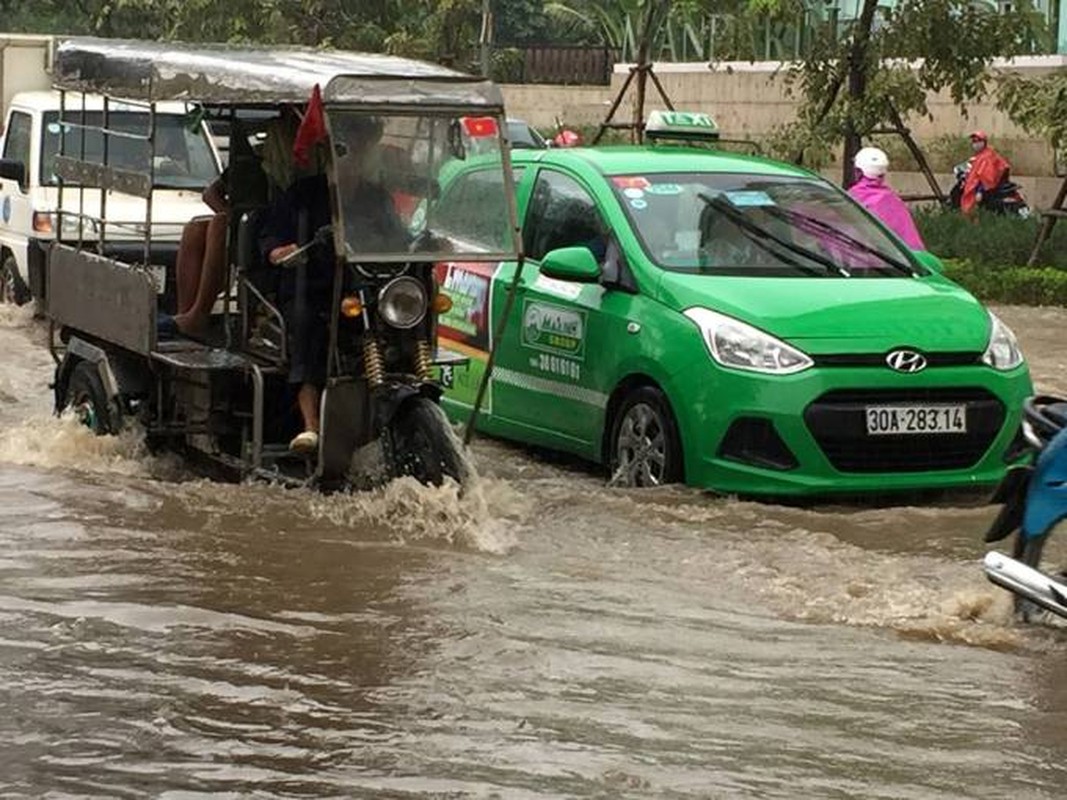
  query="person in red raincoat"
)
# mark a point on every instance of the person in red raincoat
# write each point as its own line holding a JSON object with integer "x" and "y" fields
{"x": 988, "y": 170}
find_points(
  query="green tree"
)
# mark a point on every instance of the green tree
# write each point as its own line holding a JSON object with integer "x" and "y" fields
{"x": 1037, "y": 104}
{"x": 859, "y": 79}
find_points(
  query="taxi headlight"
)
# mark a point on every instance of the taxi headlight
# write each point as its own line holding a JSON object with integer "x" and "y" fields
{"x": 402, "y": 302}
{"x": 1002, "y": 352}
{"x": 736, "y": 344}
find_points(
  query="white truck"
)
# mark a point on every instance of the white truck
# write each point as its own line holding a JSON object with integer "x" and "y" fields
{"x": 38, "y": 125}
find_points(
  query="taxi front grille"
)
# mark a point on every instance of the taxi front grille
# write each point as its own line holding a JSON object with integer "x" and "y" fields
{"x": 933, "y": 360}
{"x": 838, "y": 422}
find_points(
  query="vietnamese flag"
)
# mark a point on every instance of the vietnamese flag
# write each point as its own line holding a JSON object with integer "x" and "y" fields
{"x": 312, "y": 129}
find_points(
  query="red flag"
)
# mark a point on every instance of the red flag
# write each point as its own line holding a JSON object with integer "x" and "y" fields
{"x": 312, "y": 129}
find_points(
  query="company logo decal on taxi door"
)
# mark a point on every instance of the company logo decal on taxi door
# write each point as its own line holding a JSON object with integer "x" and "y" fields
{"x": 554, "y": 329}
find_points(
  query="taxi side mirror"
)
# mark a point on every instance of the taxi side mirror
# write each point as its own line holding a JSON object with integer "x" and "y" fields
{"x": 929, "y": 261}
{"x": 571, "y": 264}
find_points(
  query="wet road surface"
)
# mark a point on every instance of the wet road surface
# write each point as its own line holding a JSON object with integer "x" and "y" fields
{"x": 541, "y": 637}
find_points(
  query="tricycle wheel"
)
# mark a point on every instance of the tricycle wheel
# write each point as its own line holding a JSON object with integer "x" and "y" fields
{"x": 90, "y": 403}
{"x": 424, "y": 446}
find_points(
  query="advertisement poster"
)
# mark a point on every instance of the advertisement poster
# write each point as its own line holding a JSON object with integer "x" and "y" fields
{"x": 465, "y": 327}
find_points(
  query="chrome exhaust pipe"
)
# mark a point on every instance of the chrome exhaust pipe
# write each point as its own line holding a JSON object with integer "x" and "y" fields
{"x": 1026, "y": 582}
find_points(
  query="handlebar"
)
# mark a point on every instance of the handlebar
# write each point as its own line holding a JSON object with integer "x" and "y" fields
{"x": 322, "y": 236}
{"x": 1043, "y": 417}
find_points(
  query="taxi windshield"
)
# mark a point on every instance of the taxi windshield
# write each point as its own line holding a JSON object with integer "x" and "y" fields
{"x": 744, "y": 224}
{"x": 425, "y": 187}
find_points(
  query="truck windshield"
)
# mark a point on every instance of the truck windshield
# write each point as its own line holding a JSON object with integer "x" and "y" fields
{"x": 412, "y": 187}
{"x": 745, "y": 224}
{"x": 182, "y": 160}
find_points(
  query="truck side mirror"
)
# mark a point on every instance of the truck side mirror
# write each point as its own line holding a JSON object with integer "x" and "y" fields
{"x": 13, "y": 171}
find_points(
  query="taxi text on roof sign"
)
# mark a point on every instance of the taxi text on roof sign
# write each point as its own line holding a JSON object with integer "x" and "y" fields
{"x": 681, "y": 124}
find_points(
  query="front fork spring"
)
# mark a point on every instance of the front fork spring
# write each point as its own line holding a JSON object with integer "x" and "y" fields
{"x": 423, "y": 360}
{"x": 373, "y": 364}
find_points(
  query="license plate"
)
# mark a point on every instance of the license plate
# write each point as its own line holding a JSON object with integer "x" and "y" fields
{"x": 890, "y": 420}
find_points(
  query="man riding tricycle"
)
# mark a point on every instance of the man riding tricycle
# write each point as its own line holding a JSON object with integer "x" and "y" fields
{"x": 319, "y": 351}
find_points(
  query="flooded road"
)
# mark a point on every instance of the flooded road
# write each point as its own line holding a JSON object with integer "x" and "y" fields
{"x": 542, "y": 637}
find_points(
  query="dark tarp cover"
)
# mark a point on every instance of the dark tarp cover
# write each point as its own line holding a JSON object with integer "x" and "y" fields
{"x": 219, "y": 74}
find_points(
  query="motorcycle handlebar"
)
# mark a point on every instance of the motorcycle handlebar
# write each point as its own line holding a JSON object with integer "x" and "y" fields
{"x": 322, "y": 236}
{"x": 1043, "y": 417}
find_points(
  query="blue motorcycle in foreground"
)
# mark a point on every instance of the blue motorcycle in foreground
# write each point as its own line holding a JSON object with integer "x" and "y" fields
{"x": 1035, "y": 500}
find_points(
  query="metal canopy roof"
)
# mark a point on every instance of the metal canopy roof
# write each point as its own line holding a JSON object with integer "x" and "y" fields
{"x": 220, "y": 74}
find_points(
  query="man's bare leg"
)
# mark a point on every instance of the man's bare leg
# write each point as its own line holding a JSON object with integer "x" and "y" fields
{"x": 189, "y": 263}
{"x": 307, "y": 399}
{"x": 213, "y": 273}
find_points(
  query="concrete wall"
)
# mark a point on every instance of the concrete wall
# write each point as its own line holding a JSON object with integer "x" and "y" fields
{"x": 750, "y": 100}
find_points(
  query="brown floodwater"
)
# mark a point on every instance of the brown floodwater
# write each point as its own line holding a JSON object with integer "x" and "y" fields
{"x": 541, "y": 637}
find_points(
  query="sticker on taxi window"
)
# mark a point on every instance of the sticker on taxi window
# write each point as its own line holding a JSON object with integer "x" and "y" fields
{"x": 631, "y": 181}
{"x": 633, "y": 194}
{"x": 749, "y": 198}
{"x": 638, "y": 204}
{"x": 664, "y": 188}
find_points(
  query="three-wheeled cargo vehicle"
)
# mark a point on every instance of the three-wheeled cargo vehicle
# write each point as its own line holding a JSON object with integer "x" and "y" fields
{"x": 375, "y": 136}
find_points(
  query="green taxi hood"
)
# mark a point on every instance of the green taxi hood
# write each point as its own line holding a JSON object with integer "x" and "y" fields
{"x": 827, "y": 315}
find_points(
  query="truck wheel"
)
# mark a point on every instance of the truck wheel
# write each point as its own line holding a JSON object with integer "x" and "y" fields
{"x": 9, "y": 288}
{"x": 424, "y": 446}
{"x": 90, "y": 403}
{"x": 644, "y": 448}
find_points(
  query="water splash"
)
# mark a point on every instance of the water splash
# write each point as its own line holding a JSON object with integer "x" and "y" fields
{"x": 483, "y": 515}
{"x": 65, "y": 443}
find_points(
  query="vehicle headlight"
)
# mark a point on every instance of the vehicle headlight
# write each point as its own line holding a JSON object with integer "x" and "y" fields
{"x": 1003, "y": 351}
{"x": 45, "y": 222}
{"x": 402, "y": 302}
{"x": 738, "y": 345}
{"x": 72, "y": 224}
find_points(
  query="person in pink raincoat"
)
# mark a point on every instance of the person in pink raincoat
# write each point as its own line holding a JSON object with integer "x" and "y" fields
{"x": 873, "y": 193}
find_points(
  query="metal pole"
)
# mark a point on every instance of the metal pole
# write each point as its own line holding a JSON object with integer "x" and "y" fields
{"x": 103, "y": 192}
{"x": 81, "y": 185}
{"x": 498, "y": 334}
{"x": 1061, "y": 33}
{"x": 486, "y": 38}
{"x": 62, "y": 152}
{"x": 152, "y": 183}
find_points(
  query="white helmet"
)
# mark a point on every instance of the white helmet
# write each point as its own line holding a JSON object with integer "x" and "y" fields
{"x": 872, "y": 162}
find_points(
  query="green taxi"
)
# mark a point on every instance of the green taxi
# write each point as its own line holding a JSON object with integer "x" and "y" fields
{"x": 732, "y": 322}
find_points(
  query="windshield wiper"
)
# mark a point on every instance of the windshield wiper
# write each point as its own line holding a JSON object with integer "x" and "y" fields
{"x": 753, "y": 229}
{"x": 761, "y": 242}
{"x": 825, "y": 227}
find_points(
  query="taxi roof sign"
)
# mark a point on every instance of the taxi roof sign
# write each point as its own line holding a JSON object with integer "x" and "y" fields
{"x": 690, "y": 125}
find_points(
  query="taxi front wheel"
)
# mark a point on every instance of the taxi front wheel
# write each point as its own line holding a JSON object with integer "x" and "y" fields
{"x": 645, "y": 449}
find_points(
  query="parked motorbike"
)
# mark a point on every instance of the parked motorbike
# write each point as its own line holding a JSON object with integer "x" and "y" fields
{"x": 1035, "y": 500}
{"x": 1007, "y": 198}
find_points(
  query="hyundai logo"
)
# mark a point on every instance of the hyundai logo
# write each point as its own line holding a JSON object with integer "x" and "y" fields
{"x": 906, "y": 361}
